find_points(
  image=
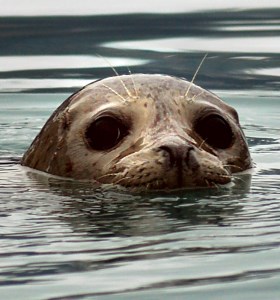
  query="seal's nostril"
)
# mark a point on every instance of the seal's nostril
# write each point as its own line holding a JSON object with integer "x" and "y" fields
{"x": 177, "y": 154}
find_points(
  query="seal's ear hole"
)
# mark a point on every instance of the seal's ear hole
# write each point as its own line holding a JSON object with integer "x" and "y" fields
{"x": 215, "y": 131}
{"x": 105, "y": 133}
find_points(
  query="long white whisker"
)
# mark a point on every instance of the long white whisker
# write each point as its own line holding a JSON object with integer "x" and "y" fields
{"x": 207, "y": 182}
{"x": 225, "y": 176}
{"x": 117, "y": 74}
{"x": 233, "y": 166}
{"x": 115, "y": 92}
{"x": 133, "y": 82}
{"x": 121, "y": 179}
{"x": 200, "y": 146}
{"x": 194, "y": 76}
{"x": 107, "y": 175}
{"x": 196, "y": 96}
{"x": 216, "y": 185}
{"x": 238, "y": 178}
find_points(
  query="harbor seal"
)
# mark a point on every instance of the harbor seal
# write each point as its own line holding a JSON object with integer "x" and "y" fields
{"x": 142, "y": 131}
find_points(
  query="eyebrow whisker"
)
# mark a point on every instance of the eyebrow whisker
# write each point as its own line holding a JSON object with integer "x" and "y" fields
{"x": 115, "y": 92}
{"x": 117, "y": 74}
{"x": 194, "y": 76}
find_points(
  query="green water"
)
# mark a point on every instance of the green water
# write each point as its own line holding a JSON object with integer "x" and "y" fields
{"x": 68, "y": 240}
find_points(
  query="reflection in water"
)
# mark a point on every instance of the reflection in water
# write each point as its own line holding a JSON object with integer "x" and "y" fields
{"x": 108, "y": 210}
{"x": 234, "y": 40}
{"x": 44, "y": 62}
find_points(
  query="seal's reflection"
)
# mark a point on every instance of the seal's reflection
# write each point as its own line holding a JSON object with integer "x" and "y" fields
{"x": 110, "y": 211}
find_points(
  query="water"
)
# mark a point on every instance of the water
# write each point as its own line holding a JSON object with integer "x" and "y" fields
{"x": 68, "y": 240}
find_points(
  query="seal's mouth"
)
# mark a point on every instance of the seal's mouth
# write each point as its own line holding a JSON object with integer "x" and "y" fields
{"x": 180, "y": 183}
{"x": 169, "y": 172}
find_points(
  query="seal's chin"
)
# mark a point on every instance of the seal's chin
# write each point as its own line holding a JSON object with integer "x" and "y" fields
{"x": 160, "y": 185}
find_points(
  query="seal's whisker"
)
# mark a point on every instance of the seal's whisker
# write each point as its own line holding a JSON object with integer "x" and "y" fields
{"x": 133, "y": 82}
{"x": 115, "y": 174}
{"x": 233, "y": 166}
{"x": 225, "y": 176}
{"x": 215, "y": 185}
{"x": 207, "y": 182}
{"x": 117, "y": 74}
{"x": 238, "y": 178}
{"x": 196, "y": 96}
{"x": 200, "y": 146}
{"x": 194, "y": 76}
{"x": 122, "y": 179}
{"x": 107, "y": 175}
{"x": 105, "y": 166}
{"x": 123, "y": 84}
{"x": 107, "y": 186}
{"x": 115, "y": 92}
{"x": 235, "y": 156}
{"x": 109, "y": 63}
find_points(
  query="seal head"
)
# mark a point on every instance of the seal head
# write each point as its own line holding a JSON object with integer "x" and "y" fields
{"x": 142, "y": 131}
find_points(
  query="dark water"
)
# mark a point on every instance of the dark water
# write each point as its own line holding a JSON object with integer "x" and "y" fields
{"x": 67, "y": 240}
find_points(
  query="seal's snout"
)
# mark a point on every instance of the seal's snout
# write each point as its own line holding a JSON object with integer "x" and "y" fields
{"x": 179, "y": 159}
{"x": 177, "y": 155}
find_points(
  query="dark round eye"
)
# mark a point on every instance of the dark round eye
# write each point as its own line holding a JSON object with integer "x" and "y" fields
{"x": 105, "y": 133}
{"x": 215, "y": 130}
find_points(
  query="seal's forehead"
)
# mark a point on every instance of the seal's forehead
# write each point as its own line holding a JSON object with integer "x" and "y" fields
{"x": 161, "y": 90}
{"x": 145, "y": 83}
{"x": 128, "y": 88}
{"x": 156, "y": 86}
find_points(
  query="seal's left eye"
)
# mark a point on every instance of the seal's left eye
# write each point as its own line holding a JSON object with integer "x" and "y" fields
{"x": 215, "y": 130}
{"x": 105, "y": 133}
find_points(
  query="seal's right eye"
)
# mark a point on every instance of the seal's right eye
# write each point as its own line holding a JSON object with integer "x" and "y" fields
{"x": 105, "y": 133}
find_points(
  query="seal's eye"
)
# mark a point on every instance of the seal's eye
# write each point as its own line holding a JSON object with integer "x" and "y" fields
{"x": 105, "y": 133}
{"x": 215, "y": 130}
